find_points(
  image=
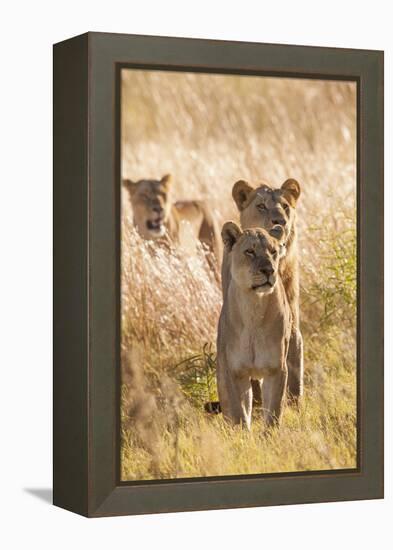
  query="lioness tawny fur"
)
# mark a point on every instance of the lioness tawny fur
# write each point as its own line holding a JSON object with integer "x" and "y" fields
{"x": 157, "y": 217}
{"x": 255, "y": 325}
{"x": 265, "y": 206}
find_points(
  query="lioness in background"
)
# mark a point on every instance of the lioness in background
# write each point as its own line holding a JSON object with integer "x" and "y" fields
{"x": 156, "y": 217}
{"x": 264, "y": 206}
{"x": 255, "y": 325}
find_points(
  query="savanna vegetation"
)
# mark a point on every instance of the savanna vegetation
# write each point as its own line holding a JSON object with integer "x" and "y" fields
{"x": 208, "y": 131}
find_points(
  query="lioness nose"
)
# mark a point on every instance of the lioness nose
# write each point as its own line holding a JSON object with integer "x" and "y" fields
{"x": 267, "y": 270}
{"x": 279, "y": 221}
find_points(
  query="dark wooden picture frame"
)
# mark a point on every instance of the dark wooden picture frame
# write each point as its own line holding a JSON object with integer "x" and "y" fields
{"x": 86, "y": 274}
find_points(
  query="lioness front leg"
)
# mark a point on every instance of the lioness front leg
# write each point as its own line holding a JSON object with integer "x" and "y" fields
{"x": 295, "y": 366}
{"x": 273, "y": 395}
{"x": 235, "y": 395}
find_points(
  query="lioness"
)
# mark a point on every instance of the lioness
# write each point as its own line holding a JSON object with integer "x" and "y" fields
{"x": 156, "y": 217}
{"x": 264, "y": 206}
{"x": 254, "y": 326}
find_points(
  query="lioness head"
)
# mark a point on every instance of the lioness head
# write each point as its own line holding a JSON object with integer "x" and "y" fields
{"x": 150, "y": 204}
{"x": 266, "y": 207}
{"x": 255, "y": 255}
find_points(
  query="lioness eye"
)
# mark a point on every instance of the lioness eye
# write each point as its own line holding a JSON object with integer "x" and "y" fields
{"x": 286, "y": 207}
{"x": 274, "y": 254}
{"x": 250, "y": 252}
{"x": 261, "y": 206}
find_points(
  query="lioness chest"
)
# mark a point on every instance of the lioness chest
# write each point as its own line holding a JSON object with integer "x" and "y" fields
{"x": 254, "y": 351}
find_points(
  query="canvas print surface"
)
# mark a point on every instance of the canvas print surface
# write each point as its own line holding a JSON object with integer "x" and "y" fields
{"x": 238, "y": 275}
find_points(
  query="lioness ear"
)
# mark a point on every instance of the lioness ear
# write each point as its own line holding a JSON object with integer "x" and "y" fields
{"x": 230, "y": 233}
{"x": 277, "y": 231}
{"x": 129, "y": 185}
{"x": 291, "y": 190}
{"x": 240, "y": 193}
{"x": 166, "y": 181}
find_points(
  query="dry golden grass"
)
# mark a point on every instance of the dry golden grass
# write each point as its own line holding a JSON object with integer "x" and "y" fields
{"x": 209, "y": 131}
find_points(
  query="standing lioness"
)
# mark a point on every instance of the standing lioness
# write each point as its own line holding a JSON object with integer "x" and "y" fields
{"x": 255, "y": 325}
{"x": 265, "y": 206}
{"x": 157, "y": 217}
